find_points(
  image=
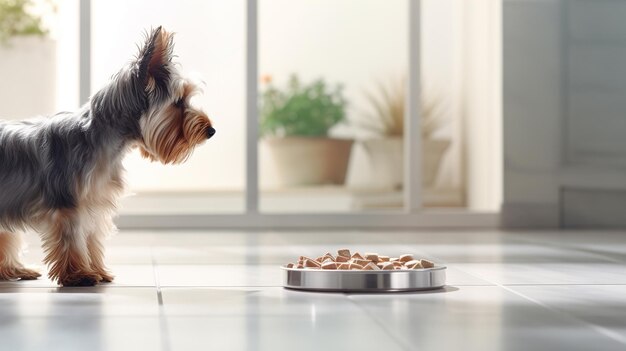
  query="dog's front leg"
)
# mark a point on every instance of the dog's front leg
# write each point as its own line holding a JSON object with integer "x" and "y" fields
{"x": 67, "y": 253}
{"x": 95, "y": 246}
{"x": 10, "y": 266}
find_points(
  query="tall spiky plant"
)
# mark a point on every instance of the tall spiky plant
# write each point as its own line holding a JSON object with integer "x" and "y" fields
{"x": 386, "y": 117}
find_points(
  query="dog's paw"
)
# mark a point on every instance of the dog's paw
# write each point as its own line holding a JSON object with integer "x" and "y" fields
{"x": 80, "y": 279}
{"x": 106, "y": 277}
{"x": 19, "y": 273}
{"x": 28, "y": 274}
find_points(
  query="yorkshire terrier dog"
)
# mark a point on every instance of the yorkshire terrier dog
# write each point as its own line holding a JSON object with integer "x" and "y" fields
{"x": 62, "y": 176}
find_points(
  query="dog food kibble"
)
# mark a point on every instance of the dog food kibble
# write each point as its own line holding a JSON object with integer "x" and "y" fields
{"x": 357, "y": 267}
{"x": 342, "y": 259}
{"x": 371, "y": 257}
{"x": 386, "y": 265}
{"x": 362, "y": 262}
{"x": 312, "y": 264}
{"x": 343, "y": 253}
{"x": 427, "y": 264}
{"x": 371, "y": 267}
{"x": 329, "y": 265}
{"x": 406, "y": 258}
{"x": 413, "y": 264}
{"x": 357, "y": 256}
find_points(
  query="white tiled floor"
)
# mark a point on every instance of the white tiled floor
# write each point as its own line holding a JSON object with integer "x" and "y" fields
{"x": 221, "y": 291}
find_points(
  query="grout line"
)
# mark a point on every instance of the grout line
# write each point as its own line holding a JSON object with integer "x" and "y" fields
{"x": 600, "y": 329}
{"x": 155, "y": 273}
{"x": 381, "y": 325}
{"x": 165, "y": 333}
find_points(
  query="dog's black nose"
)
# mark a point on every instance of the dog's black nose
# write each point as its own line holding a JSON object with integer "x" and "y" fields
{"x": 210, "y": 132}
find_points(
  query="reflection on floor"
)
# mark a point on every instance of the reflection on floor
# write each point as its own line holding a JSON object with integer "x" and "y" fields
{"x": 221, "y": 291}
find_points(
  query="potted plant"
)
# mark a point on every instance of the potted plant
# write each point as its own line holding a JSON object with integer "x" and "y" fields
{"x": 27, "y": 60}
{"x": 385, "y": 151}
{"x": 295, "y": 124}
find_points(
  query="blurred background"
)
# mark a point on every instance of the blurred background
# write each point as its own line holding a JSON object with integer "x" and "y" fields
{"x": 521, "y": 103}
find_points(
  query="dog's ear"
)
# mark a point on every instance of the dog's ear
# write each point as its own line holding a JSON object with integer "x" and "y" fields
{"x": 154, "y": 60}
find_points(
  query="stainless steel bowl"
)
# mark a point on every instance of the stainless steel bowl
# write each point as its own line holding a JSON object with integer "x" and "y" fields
{"x": 364, "y": 281}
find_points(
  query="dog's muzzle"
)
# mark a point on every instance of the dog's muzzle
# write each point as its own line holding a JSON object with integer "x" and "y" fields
{"x": 210, "y": 132}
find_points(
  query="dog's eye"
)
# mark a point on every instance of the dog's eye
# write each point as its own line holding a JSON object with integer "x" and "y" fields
{"x": 179, "y": 103}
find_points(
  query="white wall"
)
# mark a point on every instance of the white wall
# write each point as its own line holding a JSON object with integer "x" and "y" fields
{"x": 532, "y": 111}
{"x": 64, "y": 29}
{"x": 27, "y": 70}
{"x": 564, "y": 125}
{"x": 40, "y": 75}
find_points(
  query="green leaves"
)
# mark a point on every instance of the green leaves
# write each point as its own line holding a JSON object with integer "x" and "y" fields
{"x": 302, "y": 109}
{"x": 15, "y": 20}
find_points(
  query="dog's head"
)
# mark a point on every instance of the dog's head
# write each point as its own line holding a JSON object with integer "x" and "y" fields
{"x": 170, "y": 126}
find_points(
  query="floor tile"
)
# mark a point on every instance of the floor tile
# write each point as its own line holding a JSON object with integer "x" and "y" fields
{"x": 457, "y": 277}
{"x": 127, "y": 275}
{"x": 603, "y": 306}
{"x": 219, "y": 275}
{"x": 128, "y": 255}
{"x": 220, "y": 290}
{"x": 86, "y": 332}
{"x": 269, "y": 319}
{"x": 478, "y": 318}
{"x": 190, "y": 238}
{"x": 532, "y": 273}
{"x": 221, "y": 255}
{"x": 505, "y": 253}
{"x": 610, "y": 244}
{"x": 96, "y": 318}
{"x": 96, "y": 302}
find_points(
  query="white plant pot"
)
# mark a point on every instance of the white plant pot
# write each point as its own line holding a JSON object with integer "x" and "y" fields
{"x": 386, "y": 161}
{"x": 28, "y": 73}
{"x": 310, "y": 161}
